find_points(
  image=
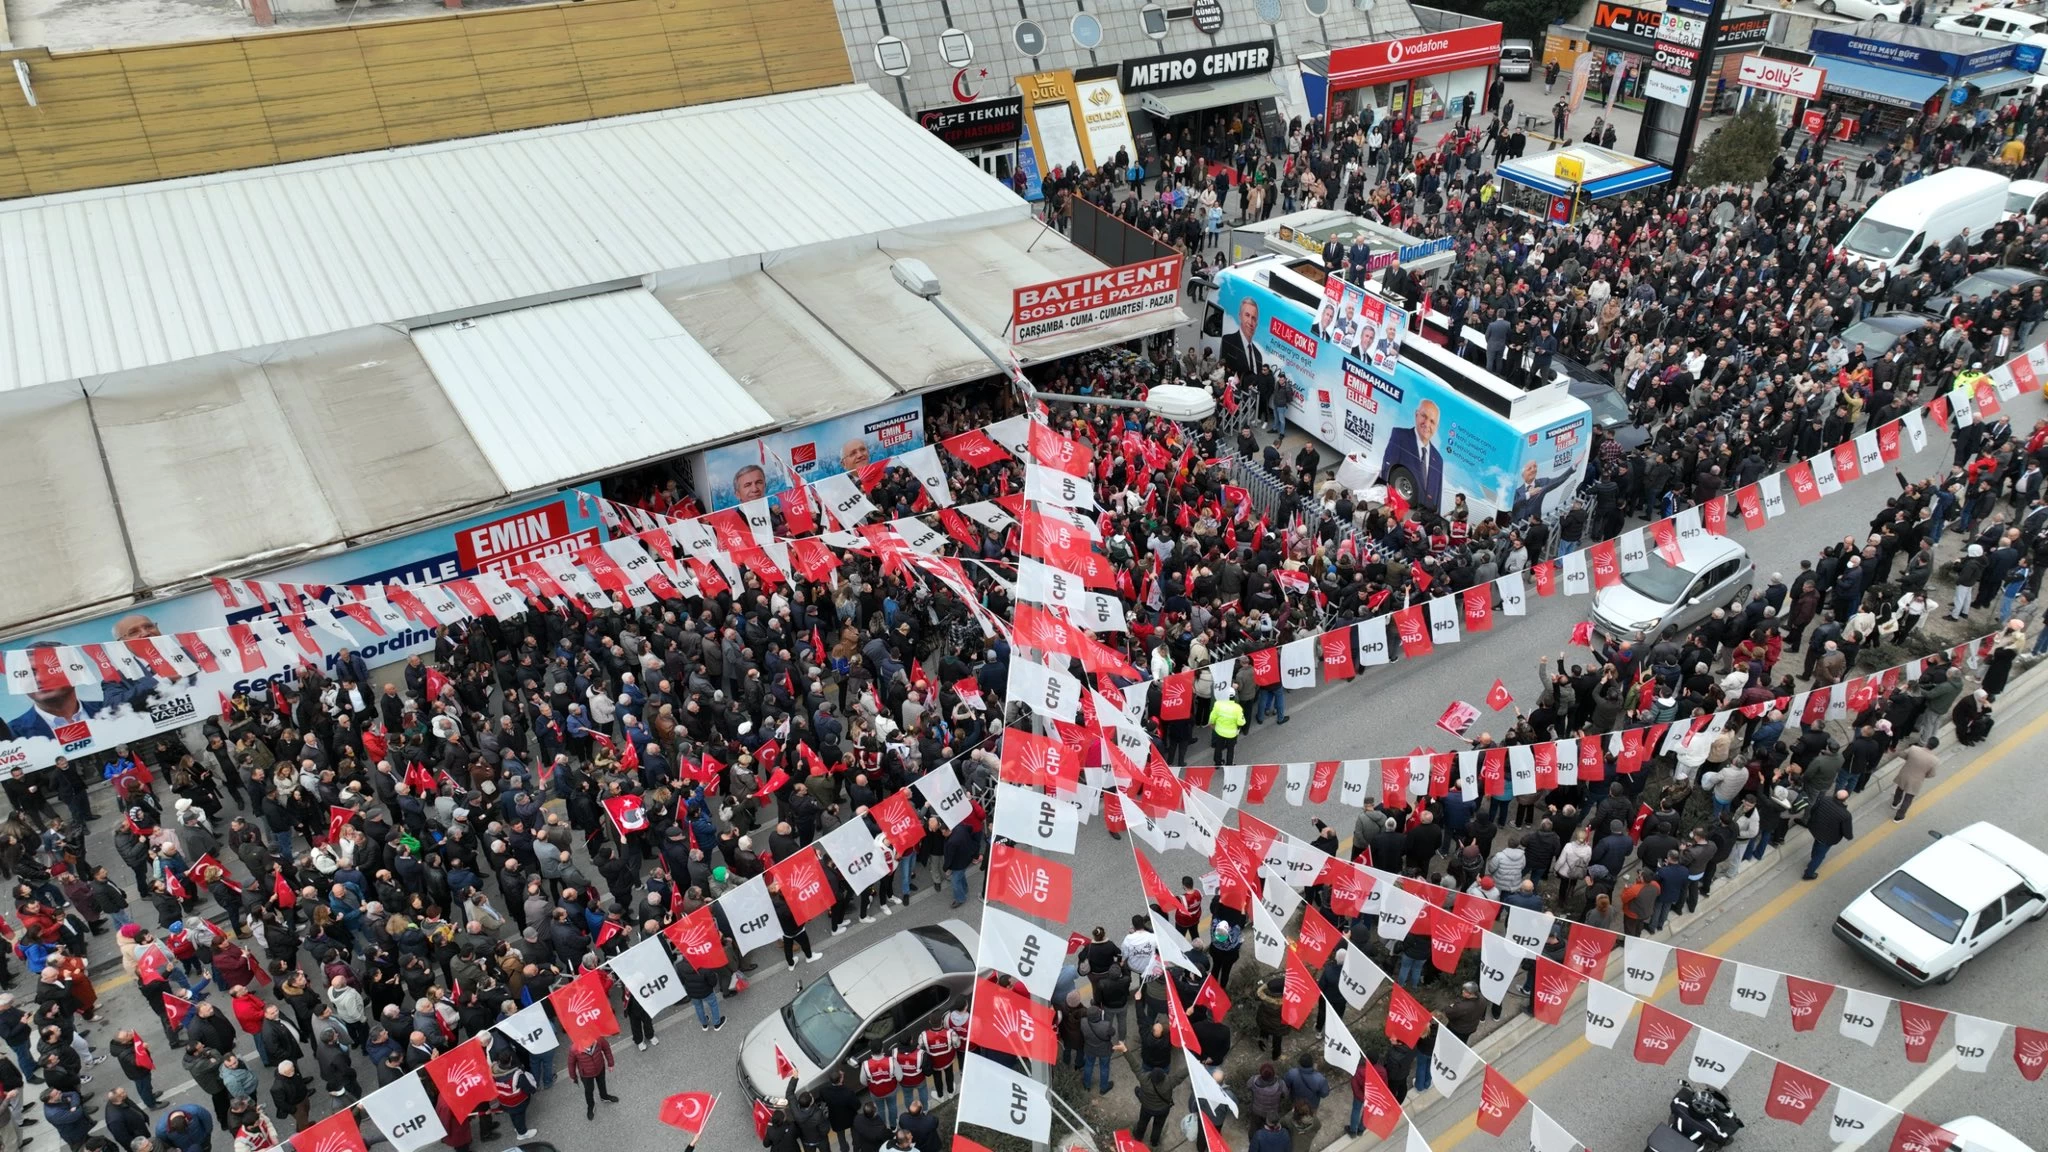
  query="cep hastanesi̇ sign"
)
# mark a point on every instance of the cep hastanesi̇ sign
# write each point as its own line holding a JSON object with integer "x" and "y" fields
{"x": 1076, "y": 302}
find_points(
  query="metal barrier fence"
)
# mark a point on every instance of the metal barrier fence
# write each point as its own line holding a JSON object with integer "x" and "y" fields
{"x": 1106, "y": 237}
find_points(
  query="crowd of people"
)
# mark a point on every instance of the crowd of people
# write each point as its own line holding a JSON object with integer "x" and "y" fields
{"x": 355, "y": 876}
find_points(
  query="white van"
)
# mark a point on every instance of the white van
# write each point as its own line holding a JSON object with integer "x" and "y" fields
{"x": 1922, "y": 216}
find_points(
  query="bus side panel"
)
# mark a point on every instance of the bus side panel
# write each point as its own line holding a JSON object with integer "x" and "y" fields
{"x": 1469, "y": 451}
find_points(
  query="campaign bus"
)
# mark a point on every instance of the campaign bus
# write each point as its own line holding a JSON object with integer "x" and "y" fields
{"x": 1397, "y": 406}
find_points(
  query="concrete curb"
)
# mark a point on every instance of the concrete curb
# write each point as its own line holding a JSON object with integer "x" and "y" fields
{"x": 1506, "y": 1040}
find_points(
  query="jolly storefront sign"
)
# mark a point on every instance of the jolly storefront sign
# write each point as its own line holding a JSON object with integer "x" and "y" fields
{"x": 1073, "y": 303}
{"x": 1801, "y": 80}
{"x": 1407, "y": 57}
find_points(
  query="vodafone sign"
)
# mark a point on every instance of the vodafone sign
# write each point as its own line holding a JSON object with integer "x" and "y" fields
{"x": 1407, "y": 57}
{"x": 1782, "y": 76}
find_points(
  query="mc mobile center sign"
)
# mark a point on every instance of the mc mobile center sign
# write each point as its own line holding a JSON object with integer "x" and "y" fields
{"x": 1634, "y": 29}
{"x": 984, "y": 122}
{"x": 1077, "y": 302}
{"x": 1174, "y": 69}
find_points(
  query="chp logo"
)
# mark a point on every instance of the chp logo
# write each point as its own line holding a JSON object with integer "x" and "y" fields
{"x": 1794, "y": 1094}
{"x": 2030, "y": 1052}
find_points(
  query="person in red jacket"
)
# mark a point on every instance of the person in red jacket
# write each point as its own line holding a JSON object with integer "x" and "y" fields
{"x": 910, "y": 1073}
{"x": 878, "y": 1073}
{"x": 588, "y": 1064}
{"x": 941, "y": 1048}
{"x": 249, "y": 1014}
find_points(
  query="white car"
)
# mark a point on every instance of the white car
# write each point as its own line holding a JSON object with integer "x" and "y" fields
{"x": 1976, "y": 1134}
{"x": 1865, "y": 9}
{"x": 2026, "y": 199}
{"x": 1951, "y": 901}
{"x": 1994, "y": 24}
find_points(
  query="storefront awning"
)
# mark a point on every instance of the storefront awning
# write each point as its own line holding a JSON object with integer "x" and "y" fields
{"x": 1197, "y": 97}
{"x": 1605, "y": 172}
{"x": 1879, "y": 85}
{"x": 2000, "y": 80}
{"x": 1648, "y": 176}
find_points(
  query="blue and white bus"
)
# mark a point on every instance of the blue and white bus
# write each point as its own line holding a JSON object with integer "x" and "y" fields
{"x": 1430, "y": 424}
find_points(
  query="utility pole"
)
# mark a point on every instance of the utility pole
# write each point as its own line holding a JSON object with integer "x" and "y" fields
{"x": 1677, "y": 85}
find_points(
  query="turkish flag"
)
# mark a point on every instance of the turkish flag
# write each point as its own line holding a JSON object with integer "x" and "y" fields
{"x": 1177, "y": 696}
{"x": 1916, "y": 1135}
{"x": 804, "y": 886}
{"x": 1212, "y": 996}
{"x": 626, "y": 812}
{"x": 1030, "y": 884}
{"x": 1499, "y": 1103}
{"x": 689, "y": 1111}
{"x": 1378, "y": 1108}
{"x": 177, "y": 1009}
{"x": 281, "y": 890}
{"x": 463, "y": 1075}
{"x": 1338, "y": 662}
{"x": 1414, "y": 631}
{"x": 1555, "y": 984}
{"x": 584, "y": 1010}
{"x": 1921, "y": 1025}
{"x": 899, "y": 821}
{"x": 1478, "y": 602}
{"x": 337, "y": 1133}
{"x": 1407, "y": 1019}
{"x": 784, "y": 1067}
{"x": 1498, "y": 696}
{"x": 763, "y": 1116}
{"x": 1658, "y": 1034}
{"x": 1793, "y": 1094}
{"x": 1012, "y": 1022}
{"x": 1298, "y": 993}
{"x": 1695, "y": 976}
{"x": 696, "y": 938}
{"x": 1807, "y": 998}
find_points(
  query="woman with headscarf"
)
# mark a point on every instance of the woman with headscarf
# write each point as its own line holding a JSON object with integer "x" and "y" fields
{"x": 1972, "y": 717}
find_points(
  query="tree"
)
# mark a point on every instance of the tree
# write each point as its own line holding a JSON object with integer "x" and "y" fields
{"x": 1739, "y": 152}
{"x": 1528, "y": 19}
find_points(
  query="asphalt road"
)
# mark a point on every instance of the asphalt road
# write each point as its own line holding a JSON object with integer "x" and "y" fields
{"x": 1385, "y": 712}
{"x": 1608, "y": 1101}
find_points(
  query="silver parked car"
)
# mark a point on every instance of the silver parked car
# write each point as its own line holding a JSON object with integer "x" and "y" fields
{"x": 878, "y": 1001}
{"x": 1717, "y": 572}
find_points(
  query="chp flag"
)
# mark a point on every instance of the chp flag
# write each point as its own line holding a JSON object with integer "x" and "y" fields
{"x": 1073, "y": 303}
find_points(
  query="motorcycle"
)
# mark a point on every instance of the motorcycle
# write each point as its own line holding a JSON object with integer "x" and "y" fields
{"x": 1701, "y": 1120}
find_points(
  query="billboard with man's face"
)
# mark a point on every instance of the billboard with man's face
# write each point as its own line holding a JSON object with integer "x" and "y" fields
{"x": 38, "y": 725}
{"x": 766, "y": 465}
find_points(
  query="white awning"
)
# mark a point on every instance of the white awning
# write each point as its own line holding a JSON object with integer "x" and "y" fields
{"x": 1199, "y": 97}
{"x": 581, "y": 387}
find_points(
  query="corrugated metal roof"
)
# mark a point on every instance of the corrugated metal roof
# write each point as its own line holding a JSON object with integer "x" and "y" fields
{"x": 584, "y": 386}
{"x": 122, "y": 278}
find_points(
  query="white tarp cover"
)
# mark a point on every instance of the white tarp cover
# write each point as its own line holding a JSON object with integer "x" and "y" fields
{"x": 584, "y": 386}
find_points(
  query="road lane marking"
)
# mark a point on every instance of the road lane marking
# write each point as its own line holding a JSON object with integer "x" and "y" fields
{"x": 1563, "y": 1058}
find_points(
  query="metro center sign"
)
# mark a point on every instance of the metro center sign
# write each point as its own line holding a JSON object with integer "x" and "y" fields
{"x": 1407, "y": 57}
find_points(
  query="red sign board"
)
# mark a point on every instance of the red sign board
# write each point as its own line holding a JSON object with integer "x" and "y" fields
{"x": 1077, "y": 302}
{"x": 1407, "y": 57}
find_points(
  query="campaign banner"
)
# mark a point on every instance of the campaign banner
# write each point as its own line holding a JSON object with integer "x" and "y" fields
{"x": 1076, "y": 302}
{"x": 92, "y": 714}
{"x": 1445, "y": 443}
{"x": 1363, "y": 325}
{"x": 768, "y": 465}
